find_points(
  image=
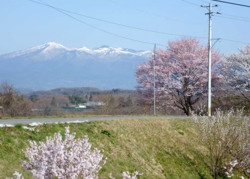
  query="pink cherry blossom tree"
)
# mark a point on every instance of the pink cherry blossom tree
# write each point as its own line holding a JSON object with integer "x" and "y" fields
{"x": 180, "y": 74}
{"x": 236, "y": 72}
{"x": 62, "y": 159}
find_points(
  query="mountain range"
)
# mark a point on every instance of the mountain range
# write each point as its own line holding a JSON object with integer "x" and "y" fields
{"x": 53, "y": 65}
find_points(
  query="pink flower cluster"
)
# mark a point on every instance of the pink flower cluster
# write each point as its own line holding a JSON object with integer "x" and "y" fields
{"x": 63, "y": 159}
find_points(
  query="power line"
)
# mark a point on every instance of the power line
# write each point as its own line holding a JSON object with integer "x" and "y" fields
{"x": 190, "y": 3}
{"x": 118, "y": 24}
{"x": 152, "y": 14}
{"x": 234, "y": 16}
{"x": 127, "y": 38}
{"x": 204, "y": 1}
{"x": 223, "y": 16}
{"x": 236, "y": 4}
{"x": 239, "y": 17}
{"x": 229, "y": 40}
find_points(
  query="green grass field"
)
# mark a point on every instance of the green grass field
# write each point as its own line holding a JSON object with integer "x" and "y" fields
{"x": 158, "y": 148}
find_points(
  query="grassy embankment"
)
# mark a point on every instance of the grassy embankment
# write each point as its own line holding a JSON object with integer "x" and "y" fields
{"x": 156, "y": 147}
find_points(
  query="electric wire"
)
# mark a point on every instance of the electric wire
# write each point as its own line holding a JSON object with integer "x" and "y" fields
{"x": 232, "y": 3}
{"x": 229, "y": 40}
{"x": 238, "y": 17}
{"x": 223, "y": 16}
{"x": 190, "y": 3}
{"x": 204, "y": 1}
{"x": 123, "y": 37}
{"x": 232, "y": 16}
{"x": 123, "y": 25}
{"x": 152, "y": 14}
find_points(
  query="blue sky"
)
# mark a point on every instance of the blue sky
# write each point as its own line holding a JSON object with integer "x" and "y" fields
{"x": 26, "y": 24}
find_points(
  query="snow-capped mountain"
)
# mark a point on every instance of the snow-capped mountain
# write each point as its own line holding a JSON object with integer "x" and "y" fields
{"x": 53, "y": 65}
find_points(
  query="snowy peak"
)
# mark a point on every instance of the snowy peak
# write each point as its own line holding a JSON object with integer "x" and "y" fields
{"x": 106, "y": 51}
{"x": 51, "y": 50}
{"x": 47, "y": 49}
{"x": 53, "y": 46}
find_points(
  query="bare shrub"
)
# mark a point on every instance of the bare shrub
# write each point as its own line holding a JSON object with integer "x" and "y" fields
{"x": 21, "y": 108}
{"x": 13, "y": 104}
{"x": 109, "y": 103}
{"x": 227, "y": 137}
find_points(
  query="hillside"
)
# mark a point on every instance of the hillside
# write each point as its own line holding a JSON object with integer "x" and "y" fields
{"x": 158, "y": 148}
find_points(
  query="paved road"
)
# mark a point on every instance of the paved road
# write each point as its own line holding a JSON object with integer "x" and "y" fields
{"x": 84, "y": 119}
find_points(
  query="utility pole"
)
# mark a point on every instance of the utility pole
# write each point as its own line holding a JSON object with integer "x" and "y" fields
{"x": 210, "y": 14}
{"x": 154, "y": 80}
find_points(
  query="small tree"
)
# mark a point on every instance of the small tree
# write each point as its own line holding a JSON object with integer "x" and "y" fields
{"x": 76, "y": 99}
{"x": 33, "y": 98}
{"x": 8, "y": 96}
{"x": 129, "y": 101}
{"x": 53, "y": 102}
{"x": 63, "y": 159}
{"x": 90, "y": 97}
{"x": 109, "y": 103}
{"x": 121, "y": 102}
{"x": 13, "y": 104}
{"x": 180, "y": 74}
